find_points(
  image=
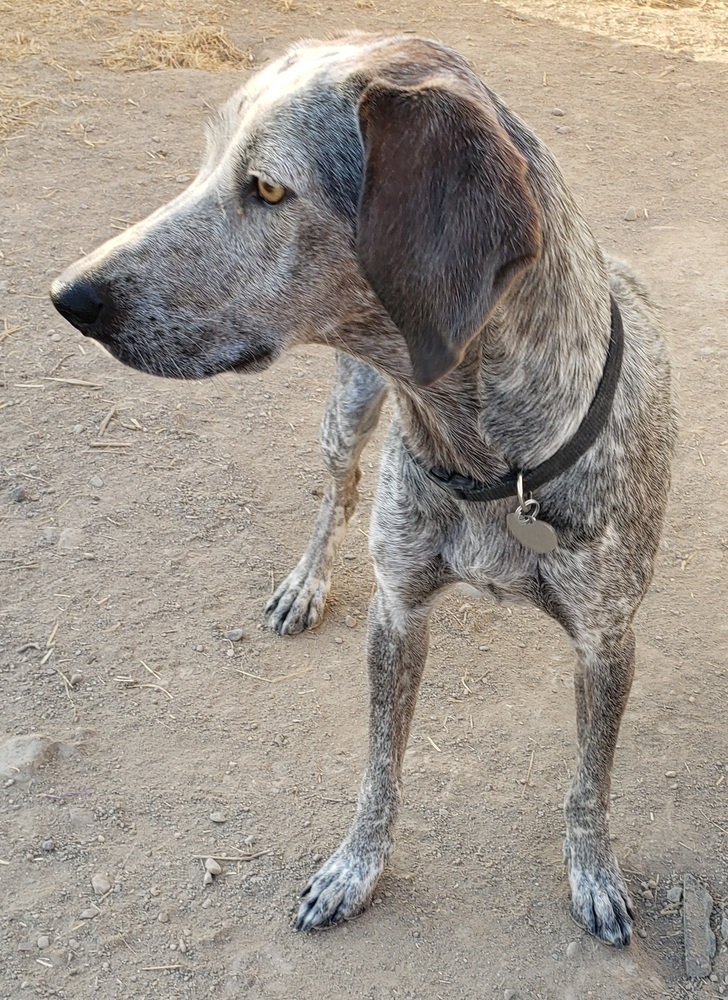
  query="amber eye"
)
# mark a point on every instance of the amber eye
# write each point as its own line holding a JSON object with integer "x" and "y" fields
{"x": 272, "y": 193}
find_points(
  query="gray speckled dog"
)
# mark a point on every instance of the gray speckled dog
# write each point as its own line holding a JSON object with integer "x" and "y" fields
{"x": 372, "y": 194}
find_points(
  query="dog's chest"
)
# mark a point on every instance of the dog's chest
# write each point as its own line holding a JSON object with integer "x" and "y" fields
{"x": 481, "y": 553}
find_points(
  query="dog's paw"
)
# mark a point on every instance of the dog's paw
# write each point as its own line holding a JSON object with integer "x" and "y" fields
{"x": 599, "y": 897}
{"x": 299, "y": 602}
{"x": 338, "y": 891}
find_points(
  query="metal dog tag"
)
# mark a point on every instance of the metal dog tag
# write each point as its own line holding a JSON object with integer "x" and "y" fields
{"x": 535, "y": 535}
{"x": 523, "y": 524}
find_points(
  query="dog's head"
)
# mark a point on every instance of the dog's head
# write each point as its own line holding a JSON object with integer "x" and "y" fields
{"x": 362, "y": 193}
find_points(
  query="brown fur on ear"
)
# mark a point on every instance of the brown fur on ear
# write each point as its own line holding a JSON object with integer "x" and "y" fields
{"x": 446, "y": 216}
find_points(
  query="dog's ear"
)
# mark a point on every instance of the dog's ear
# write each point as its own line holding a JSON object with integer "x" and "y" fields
{"x": 446, "y": 216}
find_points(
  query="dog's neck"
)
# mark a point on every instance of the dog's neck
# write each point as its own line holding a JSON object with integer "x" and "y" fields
{"x": 526, "y": 382}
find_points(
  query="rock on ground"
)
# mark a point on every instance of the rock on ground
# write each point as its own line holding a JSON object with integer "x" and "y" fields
{"x": 699, "y": 938}
{"x": 24, "y": 754}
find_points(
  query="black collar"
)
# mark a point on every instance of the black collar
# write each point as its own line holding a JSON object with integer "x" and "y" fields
{"x": 465, "y": 488}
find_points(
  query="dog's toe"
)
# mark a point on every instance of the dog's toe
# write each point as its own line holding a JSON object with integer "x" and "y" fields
{"x": 298, "y": 603}
{"x": 340, "y": 890}
{"x": 604, "y": 910}
{"x": 601, "y": 903}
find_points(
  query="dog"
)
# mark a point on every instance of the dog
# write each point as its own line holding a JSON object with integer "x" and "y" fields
{"x": 371, "y": 194}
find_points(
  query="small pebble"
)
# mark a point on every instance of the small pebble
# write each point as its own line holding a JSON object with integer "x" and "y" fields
{"x": 199, "y": 649}
{"x": 508, "y": 994}
{"x": 100, "y": 885}
{"x": 218, "y": 817}
{"x": 350, "y": 622}
{"x": 674, "y": 894}
{"x": 671, "y": 774}
{"x": 73, "y": 944}
{"x": 77, "y": 428}
{"x": 338, "y": 640}
{"x": 18, "y": 494}
{"x": 48, "y": 845}
{"x": 652, "y": 883}
{"x": 89, "y": 914}
{"x": 207, "y": 904}
{"x": 43, "y": 941}
{"x": 182, "y": 946}
{"x": 572, "y": 949}
{"x": 55, "y": 337}
{"x": 563, "y": 129}
{"x": 212, "y": 866}
{"x": 631, "y": 214}
{"x": 96, "y": 481}
{"x": 75, "y": 679}
{"x": 647, "y": 895}
{"x": 558, "y": 113}
{"x": 641, "y": 932}
{"x": 207, "y": 878}
{"x": 163, "y": 917}
{"x": 234, "y": 634}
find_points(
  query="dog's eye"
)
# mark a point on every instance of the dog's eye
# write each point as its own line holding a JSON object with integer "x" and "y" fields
{"x": 272, "y": 193}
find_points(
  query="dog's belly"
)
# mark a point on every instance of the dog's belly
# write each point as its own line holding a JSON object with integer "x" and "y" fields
{"x": 489, "y": 590}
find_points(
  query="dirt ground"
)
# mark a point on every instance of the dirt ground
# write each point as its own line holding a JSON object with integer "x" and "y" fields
{"x": 140, "y": 519}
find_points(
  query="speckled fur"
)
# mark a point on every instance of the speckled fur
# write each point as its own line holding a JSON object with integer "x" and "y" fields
{"x": 501, "y": 373}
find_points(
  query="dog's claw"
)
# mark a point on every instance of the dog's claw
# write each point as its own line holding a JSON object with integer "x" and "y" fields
{"x": 299, "y": 601}
{"x": 340, "y": 890}
{"x": 600, "y": 900}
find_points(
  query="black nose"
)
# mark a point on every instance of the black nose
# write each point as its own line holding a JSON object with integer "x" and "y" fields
{"x": 78, "y": 302}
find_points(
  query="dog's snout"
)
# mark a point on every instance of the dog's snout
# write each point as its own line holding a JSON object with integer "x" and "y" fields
{"x": 78, "y": 301}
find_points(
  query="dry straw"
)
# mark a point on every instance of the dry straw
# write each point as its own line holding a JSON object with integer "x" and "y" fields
{"x": 202, "y": 47}
{"x": 17, "y": 110}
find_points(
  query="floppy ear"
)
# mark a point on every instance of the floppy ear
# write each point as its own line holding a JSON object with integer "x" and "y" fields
{"x": 446, "y": 216}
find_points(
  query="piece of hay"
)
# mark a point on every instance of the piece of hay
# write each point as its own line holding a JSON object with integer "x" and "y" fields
{"x": 202, "y": 47}
{"x": 18, "y": 46}
{"x": 16, "y": 110}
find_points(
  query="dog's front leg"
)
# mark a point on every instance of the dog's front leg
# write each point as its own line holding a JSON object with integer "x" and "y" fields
{"x": 603, "y": 679}
{"x": 350, "y": 417}
{"x": 396, "y": 651}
